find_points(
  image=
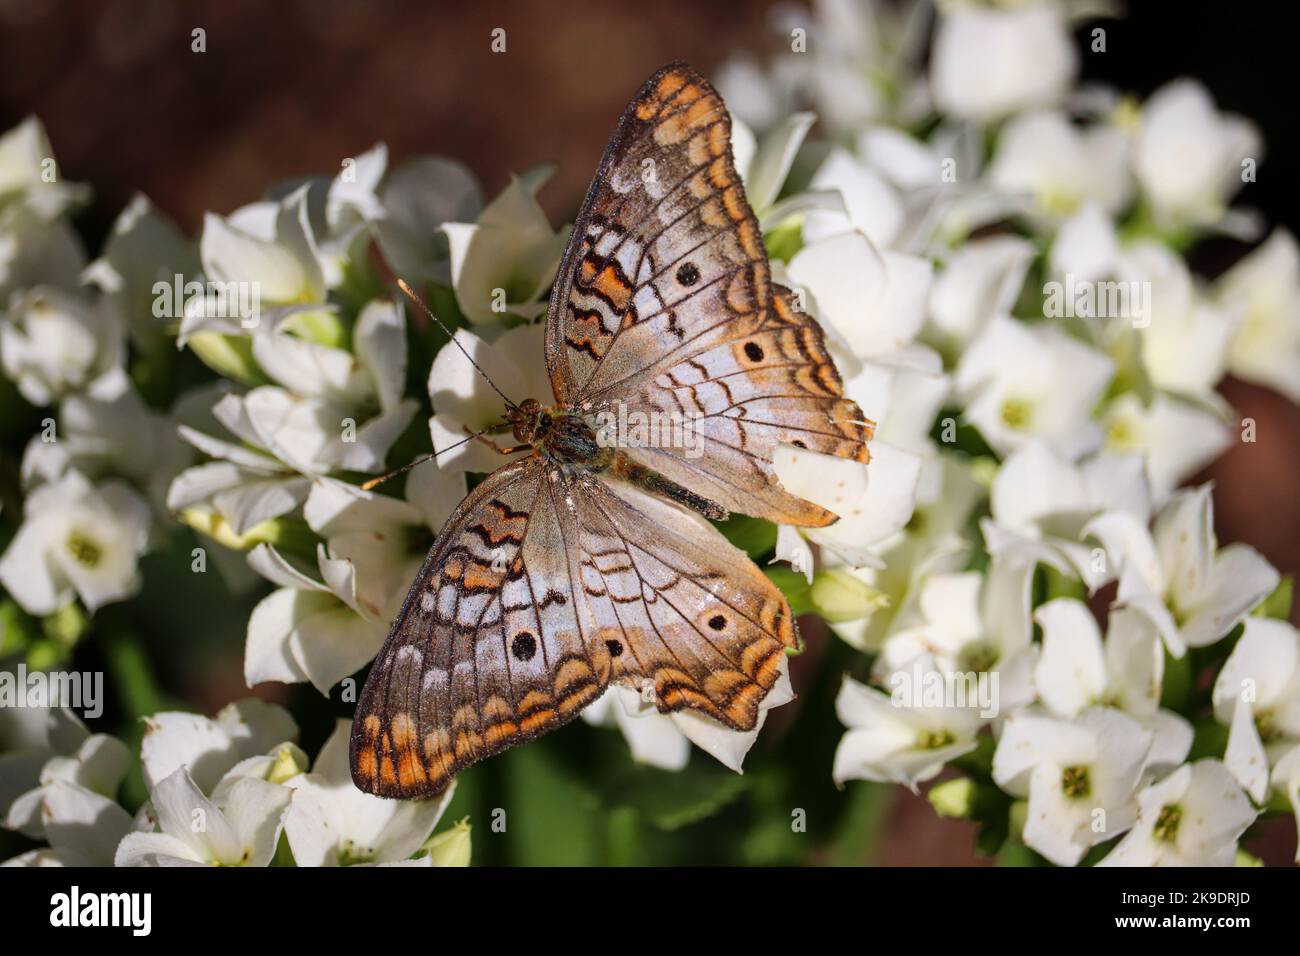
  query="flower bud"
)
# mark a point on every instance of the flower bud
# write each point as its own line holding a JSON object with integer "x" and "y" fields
{"x": 838, "y": 596}
{"x": 450, "y": 847}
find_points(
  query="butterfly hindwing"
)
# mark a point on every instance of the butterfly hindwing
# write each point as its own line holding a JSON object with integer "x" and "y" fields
{"x": 684, "y": 614}
{"x": 664, "y": 305}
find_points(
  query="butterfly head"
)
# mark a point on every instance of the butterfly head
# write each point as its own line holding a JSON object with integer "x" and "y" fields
{"x": 526, "y": 419}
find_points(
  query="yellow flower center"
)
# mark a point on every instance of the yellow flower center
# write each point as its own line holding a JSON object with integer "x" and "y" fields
{"x": 84, "y": 550}
{"x": 1074, "y": 781}
{"x": 1016, "y": 413}
{"x": 1166, "y": 828}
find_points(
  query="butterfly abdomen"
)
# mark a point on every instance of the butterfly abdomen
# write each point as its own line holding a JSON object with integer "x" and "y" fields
{"x": 650, "y": 480}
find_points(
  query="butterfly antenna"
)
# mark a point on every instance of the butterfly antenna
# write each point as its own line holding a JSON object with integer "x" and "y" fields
{"x": 375, "y": 482}
{"x": 410, "y": 294}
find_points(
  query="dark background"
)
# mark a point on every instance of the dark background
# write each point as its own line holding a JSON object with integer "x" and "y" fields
{"x": 292, "y": 87}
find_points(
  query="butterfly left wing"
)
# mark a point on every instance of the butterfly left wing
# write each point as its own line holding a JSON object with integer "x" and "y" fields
{"x": 488, "y": 649}
{"x": 663, "y": 305}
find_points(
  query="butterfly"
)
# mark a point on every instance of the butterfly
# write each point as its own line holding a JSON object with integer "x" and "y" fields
{"x": 585, "y": 563}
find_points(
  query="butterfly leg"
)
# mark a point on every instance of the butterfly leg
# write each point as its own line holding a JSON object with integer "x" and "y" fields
{"x": 512, "y": 450}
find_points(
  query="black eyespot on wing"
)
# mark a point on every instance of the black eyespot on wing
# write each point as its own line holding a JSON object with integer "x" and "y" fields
{"x": 615, "y": 648}
{"x": 524, "y": 646}
{"x": 717, "y": 622}
{"x": 754, "y": 351}
{"x": 688, "y": 273}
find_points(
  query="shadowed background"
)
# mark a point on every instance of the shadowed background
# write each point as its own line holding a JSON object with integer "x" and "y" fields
{"x": 290, "y": 88}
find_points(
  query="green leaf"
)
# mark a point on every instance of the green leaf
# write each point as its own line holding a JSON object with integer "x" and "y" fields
{"x": 1210, "y": 739}
{"x": 858, "y": 837}
{"x": 754, "y": 536}
{"x": 1177, "y": 684}
{"x": 555, "y": 817}
{"x": 785, "y": 240}
{"x": 1014, "y": 853}
{"x": 18, "y": 629}
{"x": 793, "y": 585}
{"x": 670, "y": 801}
{"x": 954, "y": 434}
{"x": 1278, "y": 604}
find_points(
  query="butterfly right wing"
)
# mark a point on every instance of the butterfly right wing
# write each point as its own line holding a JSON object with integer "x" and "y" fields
{"x": 487, "y": 651}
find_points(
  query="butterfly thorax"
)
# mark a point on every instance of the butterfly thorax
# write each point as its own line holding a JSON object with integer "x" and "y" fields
{"x": 565, "y": 436}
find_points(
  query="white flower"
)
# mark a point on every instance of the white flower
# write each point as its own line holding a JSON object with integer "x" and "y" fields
{"x": 1188, "y": 156}
{"x": 1060, "y": 166}
{"x": 502, "y": 262}
{"x": 1286, "y": 780}
{"x": 70, "y": 755}
{"x": 54, "y": 343}
{"x": 986, "y": 63}
{"x": 384, "y": 538}
{"x": 903, "y": 741}
{"x": 239, "y": 829}
{"x": 764, "y": 165}
{"x": 1177, "y": 437}
{"x": 1079, "y": 775}
{"x": 1192, "y": 817}
{"x": 116, "y": 436}
{"x": 332, "y": 823}
{"x": 874, "y": 501}
{"x": 307, "y": 630}
{"x": 247, "y": 732}
{"x": 1264, "y": 288}
{"x": 76, "y": 539}
{"x": 933, "y": 542}
{"x": 1085, "y": 247}
{"x": 339, "y": 410}
{"x": 462, "y": 399}
{"x": 418, "y": 197}
{"x": 1022, "y": 382}
{"x": 859, "y": 64}
{"x": 28, "y": 174}
{"x": 871, "y": 204}
{"x": 981, "y": 279}
{"x": 1075, "y": 671}
{"x": 874, "y": 302}
{"x": 246, "y": 484}
{"x": 82, "y": 827}
{"x": 1041, "y": 505}
{"x": 1258, "y": 694}
{"x": 143, "y": 249}
{"x": 1185, "y": 337}
{"x": 268, "y": 247}
{"x": 972, "y": 623}
{"x": 663, "y": 740}
{"x": 1194, "y": 592}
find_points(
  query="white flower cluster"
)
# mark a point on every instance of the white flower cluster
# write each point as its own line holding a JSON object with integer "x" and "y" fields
{"x": 996, "y": 259}
{"x": 222, "y": 792}
{"x": 1003, "y": 283}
